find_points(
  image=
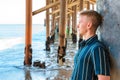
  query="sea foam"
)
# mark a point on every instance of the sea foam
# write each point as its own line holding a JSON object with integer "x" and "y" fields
{"x": 8, "y": 43}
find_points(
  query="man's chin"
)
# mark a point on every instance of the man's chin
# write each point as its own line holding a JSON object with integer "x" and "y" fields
{"x": 80, "y": 35}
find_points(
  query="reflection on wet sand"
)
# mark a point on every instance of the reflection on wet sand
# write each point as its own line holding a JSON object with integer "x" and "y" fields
{"x": 63, "y": 75}
{"x": 27, "y": 73}
{"x": 56, "y": 74}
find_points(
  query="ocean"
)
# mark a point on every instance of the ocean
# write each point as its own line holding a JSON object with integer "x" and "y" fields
{"x": 12, "y": 44}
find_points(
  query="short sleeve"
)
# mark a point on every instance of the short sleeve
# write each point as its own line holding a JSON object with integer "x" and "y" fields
{"x": 100, "y": 61}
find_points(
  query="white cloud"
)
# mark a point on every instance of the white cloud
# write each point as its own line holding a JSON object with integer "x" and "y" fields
{"x": 13, "y": 11}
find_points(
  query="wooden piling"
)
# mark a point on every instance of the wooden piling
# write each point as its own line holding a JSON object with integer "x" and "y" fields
{"x": 68, "y": 24}
{"x": 62, "y": 26}
{"x": 57, "y": 21}
{"x": 81, "y": 5}
{"x": 47, "y": 20}
{"x": 52, "y": 33}
{"x": 44, "y": 22}
{"x": 74, "y": 22}
{"x": 47, "y": 28}
{"x": 28, "y": 36}
{"x": 88, "y": 5}
{"x": 93, "y": 6}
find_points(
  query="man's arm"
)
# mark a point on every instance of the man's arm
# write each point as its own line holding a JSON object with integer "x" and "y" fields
{"x": 103, "y": 77}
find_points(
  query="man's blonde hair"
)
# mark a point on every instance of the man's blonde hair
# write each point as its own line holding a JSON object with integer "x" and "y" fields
{"x": 95, "y": 17}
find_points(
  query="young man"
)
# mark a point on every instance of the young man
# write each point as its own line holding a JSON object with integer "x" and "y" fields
{"x": 91, "y": 62}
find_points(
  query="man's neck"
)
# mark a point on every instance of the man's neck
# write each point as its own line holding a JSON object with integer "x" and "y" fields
{"x": 88, "y": 35}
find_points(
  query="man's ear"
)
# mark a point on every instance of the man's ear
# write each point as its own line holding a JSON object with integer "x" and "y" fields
{"x": 89, "y": 25}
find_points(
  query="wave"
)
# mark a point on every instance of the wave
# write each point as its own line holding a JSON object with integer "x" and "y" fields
{"x": 8, "y": 43}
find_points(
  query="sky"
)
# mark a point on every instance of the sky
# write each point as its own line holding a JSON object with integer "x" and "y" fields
{"x": 14, "y": 11}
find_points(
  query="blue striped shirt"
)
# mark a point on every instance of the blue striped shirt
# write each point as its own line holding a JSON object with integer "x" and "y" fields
{"x": 90, "y": 60}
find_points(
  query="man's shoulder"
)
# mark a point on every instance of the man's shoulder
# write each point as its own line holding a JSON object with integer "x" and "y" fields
{"x": 98, "y": 44}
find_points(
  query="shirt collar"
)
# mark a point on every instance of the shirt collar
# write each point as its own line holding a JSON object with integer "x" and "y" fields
{"x": 88, "y": 41}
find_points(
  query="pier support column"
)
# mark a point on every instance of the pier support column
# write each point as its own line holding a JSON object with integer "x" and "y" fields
{"x": 44, "y": 22}
{"x": 62, "y": 27}
{"x": 53, "y": 30}
{"x": 68, "y": 24}
{"x": 80, "y": 8}
{"x": 81, "y": 5}
{"x": 47, "y": 28}
{"x": 74, "y": 26}
{"x": 57, "y": 25}
{"x": 52, "y": 34}
{"x": 28, "y": 37}
{"x": 93, "y": 7}
{"x": 88, "y": 5}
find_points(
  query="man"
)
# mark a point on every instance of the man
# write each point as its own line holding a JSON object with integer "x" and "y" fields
{"x": 91, "y": 62}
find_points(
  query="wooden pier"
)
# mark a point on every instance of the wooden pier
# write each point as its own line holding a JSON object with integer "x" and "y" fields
{"x": 64, "y": 13}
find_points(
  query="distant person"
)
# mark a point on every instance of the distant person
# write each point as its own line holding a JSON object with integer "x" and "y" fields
{"x": 91, "y": 61}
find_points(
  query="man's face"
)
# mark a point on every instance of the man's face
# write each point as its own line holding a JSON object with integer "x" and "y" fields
{"x": 82, "y": 25}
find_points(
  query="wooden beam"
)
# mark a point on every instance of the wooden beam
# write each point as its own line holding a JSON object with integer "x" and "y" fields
{"x": 69, "y": 6}
{"x": 56, "y": 11}
{"x": 58, "y": 2}
{"x": 69, "y": 10}
{"x": 45, "y": 8}
{"x": 59, "y": 15}
{"x": 73, "y": 4}
{"x": 92, "y": 1}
